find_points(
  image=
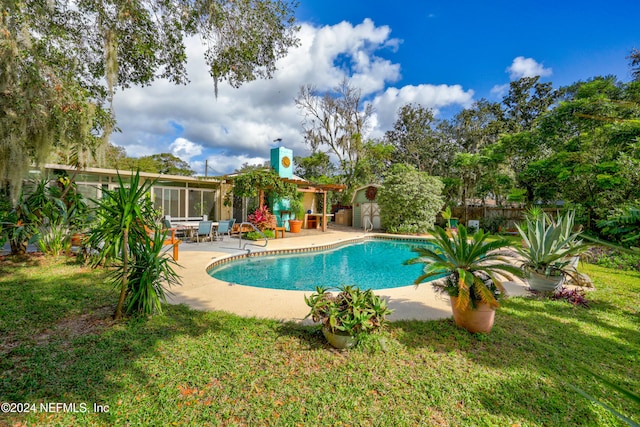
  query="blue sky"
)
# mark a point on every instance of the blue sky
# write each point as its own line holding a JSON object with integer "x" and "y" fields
{"x": 443, "y": 55}
{"x": 473, "y": 42}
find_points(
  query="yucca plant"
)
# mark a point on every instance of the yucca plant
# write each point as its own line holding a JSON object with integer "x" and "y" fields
{"x": 123, "y": 239}
{"x": 549, "y": 244}
{"x": 150, "y": 276}
{"x": 473, "y": 266}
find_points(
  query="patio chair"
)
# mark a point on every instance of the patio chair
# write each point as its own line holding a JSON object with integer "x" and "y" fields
{"x": 179, "y": 232}
{"x": 232, "y": 223}
{"x": 224, "y": 227}
{"x": 204, "y": 229}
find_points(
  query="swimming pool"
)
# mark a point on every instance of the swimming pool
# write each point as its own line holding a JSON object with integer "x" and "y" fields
{"x": 375, "y": 264}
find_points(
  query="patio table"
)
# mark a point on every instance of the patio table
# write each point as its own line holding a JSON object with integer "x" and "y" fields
{"x": 190, "y": 227}
{"x": 318, "y": 217}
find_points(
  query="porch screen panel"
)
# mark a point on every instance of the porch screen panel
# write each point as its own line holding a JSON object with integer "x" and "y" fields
{"x": 171, "y": 202}
{"x": 195, "y": 203}
{"x": 158, "y": 201}
{"x": 209, "y": 204}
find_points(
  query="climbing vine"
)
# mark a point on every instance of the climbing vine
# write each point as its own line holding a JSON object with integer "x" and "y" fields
{"x": 257, "y": 182}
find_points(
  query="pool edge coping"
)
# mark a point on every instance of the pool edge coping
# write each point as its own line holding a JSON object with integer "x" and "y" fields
{"x": 307, "y": 249}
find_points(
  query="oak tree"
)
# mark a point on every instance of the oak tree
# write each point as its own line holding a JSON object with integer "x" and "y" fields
{"x": 61, "y": 62}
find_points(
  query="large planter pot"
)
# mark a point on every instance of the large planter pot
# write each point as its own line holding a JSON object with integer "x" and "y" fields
{"x": 479, "y": 319}
{"x": 76, "y": 239}
{"x": 295, "y": 225}
{"x": 339, "y": 341}
{"x": 540, "y": 283}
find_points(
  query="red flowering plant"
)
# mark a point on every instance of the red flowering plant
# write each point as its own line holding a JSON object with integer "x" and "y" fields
{"x": 261, "y": 218}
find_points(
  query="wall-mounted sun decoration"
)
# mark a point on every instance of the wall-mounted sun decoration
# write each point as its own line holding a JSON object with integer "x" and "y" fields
{"x": 371, "y": 192}
{"x": 286, "y": 162}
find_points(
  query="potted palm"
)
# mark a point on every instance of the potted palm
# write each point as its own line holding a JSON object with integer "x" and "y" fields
{"x": 295, "y": 224}
{"x": 548, "y": 248}
{"x": 348, "y": 314}
{"x": 473, "y": 268}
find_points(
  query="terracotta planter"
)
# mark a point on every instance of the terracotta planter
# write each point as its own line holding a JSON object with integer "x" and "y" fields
{"x": 295, "y": 225}
{"x": 479, "y": 319}
{"x": 76, "y": 239}
{"x": 541, "y": 283}
{"x": 338, "y": 340}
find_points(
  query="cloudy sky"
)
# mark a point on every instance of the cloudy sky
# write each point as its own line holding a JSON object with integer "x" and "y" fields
{"x": 439, "y": 54}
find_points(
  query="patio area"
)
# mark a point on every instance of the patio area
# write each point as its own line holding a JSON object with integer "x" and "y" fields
{"x": 201, "y": 291}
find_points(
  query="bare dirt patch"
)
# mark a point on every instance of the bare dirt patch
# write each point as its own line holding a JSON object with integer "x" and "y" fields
{"x": 79, "y": 325}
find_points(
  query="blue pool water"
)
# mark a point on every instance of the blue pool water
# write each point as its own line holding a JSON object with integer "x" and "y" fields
{"x": 375, "y": 264}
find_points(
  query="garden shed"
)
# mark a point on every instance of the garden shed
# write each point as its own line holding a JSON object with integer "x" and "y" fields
{"x": 366, "y": 212}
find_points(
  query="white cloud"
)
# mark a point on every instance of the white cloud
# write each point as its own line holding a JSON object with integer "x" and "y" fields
{"x": 185, "y": 149}
{"x": 241, "y": 124}
{"x": 435, "y": 97}
{"x": 222, "y": 164}
{"x": 500, "y": 90}
{"x": 140, "y": 150}
{"x": 527, "y": 67}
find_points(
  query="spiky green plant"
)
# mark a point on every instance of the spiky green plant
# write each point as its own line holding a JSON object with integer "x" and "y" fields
{"x": 122, "y": 237}
{"x": 473, "y": 266}
{"x": 549, "y": 244}
{"x": 150, "y": 276}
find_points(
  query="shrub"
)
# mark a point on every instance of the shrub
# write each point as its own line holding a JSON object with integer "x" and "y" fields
{"x": 352, "y": 311}
{"x": 261, "y": 218}
{"x": 623, "y": 225}
{"x": 409, "y": 200}
{"x": 611, "y": 258}
{"x": 254, "y": 235}
{"x": 472, "y": 264}
{"x": 493, "y": 224}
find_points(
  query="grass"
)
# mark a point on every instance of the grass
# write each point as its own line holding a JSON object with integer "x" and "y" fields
{"x": 211, "y": 368}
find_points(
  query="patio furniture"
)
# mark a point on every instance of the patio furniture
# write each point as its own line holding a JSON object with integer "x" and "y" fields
{"x": 204, "y": 230}
{"x": 238, "y": 229}
{"x": 279, "y": 230}
{"x": 170, "y": 239}
{"x": 312, "y": 222}
{"x": 273, "y": 225}
{"x": 224, "y": 227}
{"x": 176, "y": 231}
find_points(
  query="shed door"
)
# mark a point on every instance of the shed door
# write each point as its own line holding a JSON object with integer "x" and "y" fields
{"x": 370, "y": 214}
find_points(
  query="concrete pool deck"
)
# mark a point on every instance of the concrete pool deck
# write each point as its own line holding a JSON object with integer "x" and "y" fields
{"x": 203, "y": 292}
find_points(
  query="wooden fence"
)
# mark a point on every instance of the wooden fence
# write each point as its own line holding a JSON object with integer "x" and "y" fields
{"x": 493, "y": 217}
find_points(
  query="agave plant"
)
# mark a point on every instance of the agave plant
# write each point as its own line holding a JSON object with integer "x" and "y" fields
{"x": 473, "y": 266}
{"x": 549, "y": 244}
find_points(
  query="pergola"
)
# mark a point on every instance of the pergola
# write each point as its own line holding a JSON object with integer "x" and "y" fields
{"x": 304, "y": 186}
{"x": 309, "y": 187}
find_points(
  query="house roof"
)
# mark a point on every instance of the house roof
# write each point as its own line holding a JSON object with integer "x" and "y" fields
{"x": 355, "y": 192}
{"x": 115, "y": 172}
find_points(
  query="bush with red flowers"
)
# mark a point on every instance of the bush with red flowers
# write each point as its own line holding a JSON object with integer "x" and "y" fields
{"x": 261, "y": 218}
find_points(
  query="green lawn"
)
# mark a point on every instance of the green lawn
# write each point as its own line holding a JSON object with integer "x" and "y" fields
{"x": 195, "y": 368}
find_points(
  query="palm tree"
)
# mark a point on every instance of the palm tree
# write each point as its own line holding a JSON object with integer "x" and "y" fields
{"x": 472, "y": 265}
